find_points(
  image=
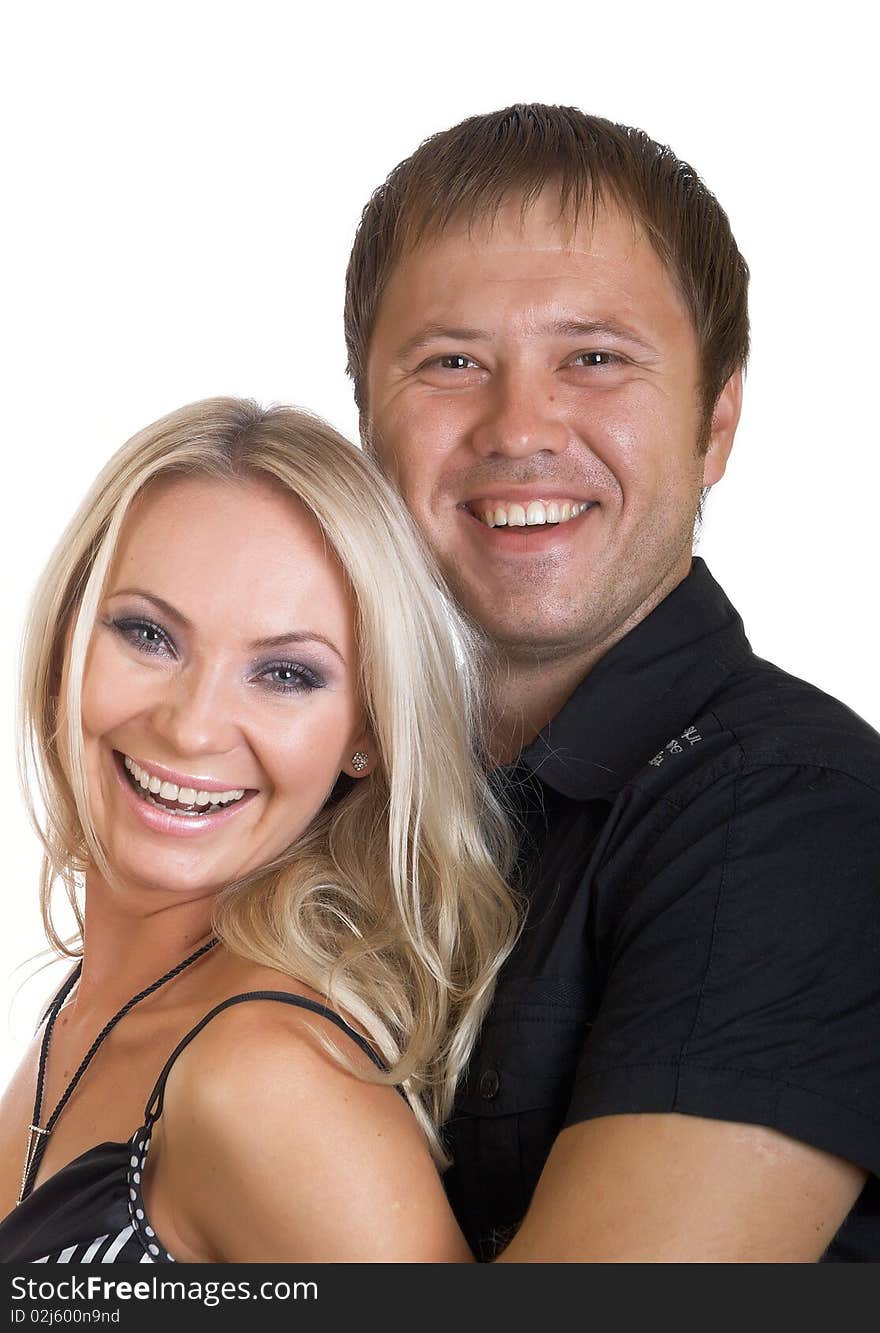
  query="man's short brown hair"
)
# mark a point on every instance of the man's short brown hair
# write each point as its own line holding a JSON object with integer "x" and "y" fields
{"x": 467, "y": 173}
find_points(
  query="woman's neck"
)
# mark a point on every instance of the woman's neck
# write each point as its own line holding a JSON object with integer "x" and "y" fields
{"x": 130, "y": 941}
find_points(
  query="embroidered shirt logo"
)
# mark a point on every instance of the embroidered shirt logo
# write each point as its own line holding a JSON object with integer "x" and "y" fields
{"x": 691, "y": 736}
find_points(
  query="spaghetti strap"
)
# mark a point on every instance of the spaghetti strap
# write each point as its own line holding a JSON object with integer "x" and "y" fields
{"x": 154, "y": 1106}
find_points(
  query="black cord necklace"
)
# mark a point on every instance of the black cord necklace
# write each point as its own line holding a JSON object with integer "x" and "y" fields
{"x": 39, "y": 1137}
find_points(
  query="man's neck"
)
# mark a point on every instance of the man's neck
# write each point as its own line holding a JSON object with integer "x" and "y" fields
{"x": 527, "y": 694}
{"x": 531, "y": 688}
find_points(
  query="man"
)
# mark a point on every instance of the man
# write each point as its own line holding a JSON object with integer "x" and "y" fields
{"x": 547, "y": 326}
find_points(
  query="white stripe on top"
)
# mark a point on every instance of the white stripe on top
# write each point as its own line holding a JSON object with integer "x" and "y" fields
{"x": 112, "y": 1251}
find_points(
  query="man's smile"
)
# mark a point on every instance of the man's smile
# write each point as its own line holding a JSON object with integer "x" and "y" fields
{"x": 537, "y": 527}
{"x": 524, "y": 513}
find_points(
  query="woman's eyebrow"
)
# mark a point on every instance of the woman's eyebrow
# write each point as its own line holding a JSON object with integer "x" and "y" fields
{"x": 258, "y": 645}
{"x": 295, "y": 636}
{"x": 165, "y": 607}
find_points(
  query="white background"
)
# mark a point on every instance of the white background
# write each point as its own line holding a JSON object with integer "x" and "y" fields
{"x": 182, "y": 183}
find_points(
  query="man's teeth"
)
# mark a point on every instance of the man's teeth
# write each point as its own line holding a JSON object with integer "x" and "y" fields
{"x": 533, "y": 514}
{"x": 169, "y": 791}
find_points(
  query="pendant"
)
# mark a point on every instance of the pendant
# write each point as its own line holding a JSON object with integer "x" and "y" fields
{"x": 34, "y": 1134}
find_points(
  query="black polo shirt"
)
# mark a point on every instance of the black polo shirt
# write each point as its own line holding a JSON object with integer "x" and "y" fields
{"x": 701, "y": 856}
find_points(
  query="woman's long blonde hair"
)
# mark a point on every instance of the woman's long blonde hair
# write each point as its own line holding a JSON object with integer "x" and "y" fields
{"x": 393, "y": 903}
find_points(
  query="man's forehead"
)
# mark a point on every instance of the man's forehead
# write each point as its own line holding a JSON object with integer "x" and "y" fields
{"x": 534, "y": 225}
{"x": 540, "y": 266}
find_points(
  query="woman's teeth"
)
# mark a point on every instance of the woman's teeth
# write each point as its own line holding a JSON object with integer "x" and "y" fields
{"x": 181, "y": 800}
{"x": 535, "y": 513}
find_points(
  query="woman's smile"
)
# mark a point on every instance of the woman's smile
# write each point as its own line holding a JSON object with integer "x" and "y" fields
{"x": 173, "y": 810}
{"x": 217, "y": 712}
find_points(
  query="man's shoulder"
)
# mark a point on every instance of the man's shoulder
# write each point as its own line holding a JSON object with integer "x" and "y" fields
{"x": 776, "y": 717}
{"x": 763, "y": 717}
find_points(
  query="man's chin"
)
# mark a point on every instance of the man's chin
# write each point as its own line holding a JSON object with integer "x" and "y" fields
{"x": 528, "y": 637}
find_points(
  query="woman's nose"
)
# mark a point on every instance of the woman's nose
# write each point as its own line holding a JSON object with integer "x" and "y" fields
{"x": 198, "y": 711}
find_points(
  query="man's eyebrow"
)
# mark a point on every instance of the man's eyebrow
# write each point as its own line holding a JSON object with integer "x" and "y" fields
{"x": 567, "y": 328}
{"x": 440, "y": 333}
{"x": 258, "y": 645}
{"x": 590, "y": 328}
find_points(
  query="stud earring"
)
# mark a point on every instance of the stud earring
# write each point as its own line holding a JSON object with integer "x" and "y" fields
{"x": 359, "y": 761}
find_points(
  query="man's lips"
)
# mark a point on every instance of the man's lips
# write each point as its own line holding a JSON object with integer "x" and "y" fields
{"x": 524, "y": 494}
{"x": 541, "y": 500}
{"x": 527, "y": 510}
{"x": 524, "y": 538}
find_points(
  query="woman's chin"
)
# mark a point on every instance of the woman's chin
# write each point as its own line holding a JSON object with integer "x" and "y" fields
{"x": 170, "y": 883}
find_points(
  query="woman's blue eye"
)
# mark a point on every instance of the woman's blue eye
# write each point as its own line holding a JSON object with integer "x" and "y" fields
{"x": 142, "y": 634}
{"x": 281, "y": 677}
{"x": 291, "y": 678}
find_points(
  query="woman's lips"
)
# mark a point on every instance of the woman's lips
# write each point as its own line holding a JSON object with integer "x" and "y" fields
{"x": 166, "y": 821}
{"x": 180, "y": 779}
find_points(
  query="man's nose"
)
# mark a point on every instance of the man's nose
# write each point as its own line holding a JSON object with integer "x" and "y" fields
{"x": 520, "y": 418}
{"x": 197, "y": 714}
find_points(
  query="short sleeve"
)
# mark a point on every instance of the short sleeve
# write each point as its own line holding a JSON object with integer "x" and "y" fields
{"x": 743, "y": 980}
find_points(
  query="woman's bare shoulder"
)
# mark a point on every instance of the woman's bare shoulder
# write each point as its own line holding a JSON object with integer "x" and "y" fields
{"x": 265, "y": 999}
{"x": 253, "y": 1030}
{"x": 279, "y": 1152}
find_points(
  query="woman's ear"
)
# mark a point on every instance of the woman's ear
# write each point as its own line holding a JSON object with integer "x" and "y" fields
{"x": 362, "y": 756}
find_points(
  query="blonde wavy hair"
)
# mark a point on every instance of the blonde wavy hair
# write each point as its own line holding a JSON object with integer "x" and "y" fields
{"x": 393, "y": 902}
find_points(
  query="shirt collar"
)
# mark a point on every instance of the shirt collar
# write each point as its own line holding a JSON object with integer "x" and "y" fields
{"x": 646, "y": 690}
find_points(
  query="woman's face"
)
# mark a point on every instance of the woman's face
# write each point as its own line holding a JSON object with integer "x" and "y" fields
{"x": 220, "y": 699}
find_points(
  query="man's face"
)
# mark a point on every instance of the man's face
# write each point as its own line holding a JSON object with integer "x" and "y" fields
{"x": 544, "y": 379}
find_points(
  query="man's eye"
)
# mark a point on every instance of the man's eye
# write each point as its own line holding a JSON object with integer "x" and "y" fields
{"x": 456, "y": 361}
{"x": 597, "y": 359}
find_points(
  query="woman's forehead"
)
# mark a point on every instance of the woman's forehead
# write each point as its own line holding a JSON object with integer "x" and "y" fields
{"x": 243, "y": 549}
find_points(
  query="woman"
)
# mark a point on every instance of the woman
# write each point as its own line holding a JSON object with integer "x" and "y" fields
{"x": 248, "y": 709}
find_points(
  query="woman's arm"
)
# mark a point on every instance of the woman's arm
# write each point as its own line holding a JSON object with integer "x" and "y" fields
{"x": 271, "y": 1152}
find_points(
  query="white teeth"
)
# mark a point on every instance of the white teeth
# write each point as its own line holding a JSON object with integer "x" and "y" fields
{"x": 169, "y": 791}
{"x": 535, "y": 514}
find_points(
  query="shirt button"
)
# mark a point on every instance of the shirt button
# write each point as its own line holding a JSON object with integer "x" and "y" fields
{"x": 489, "y": 1084}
